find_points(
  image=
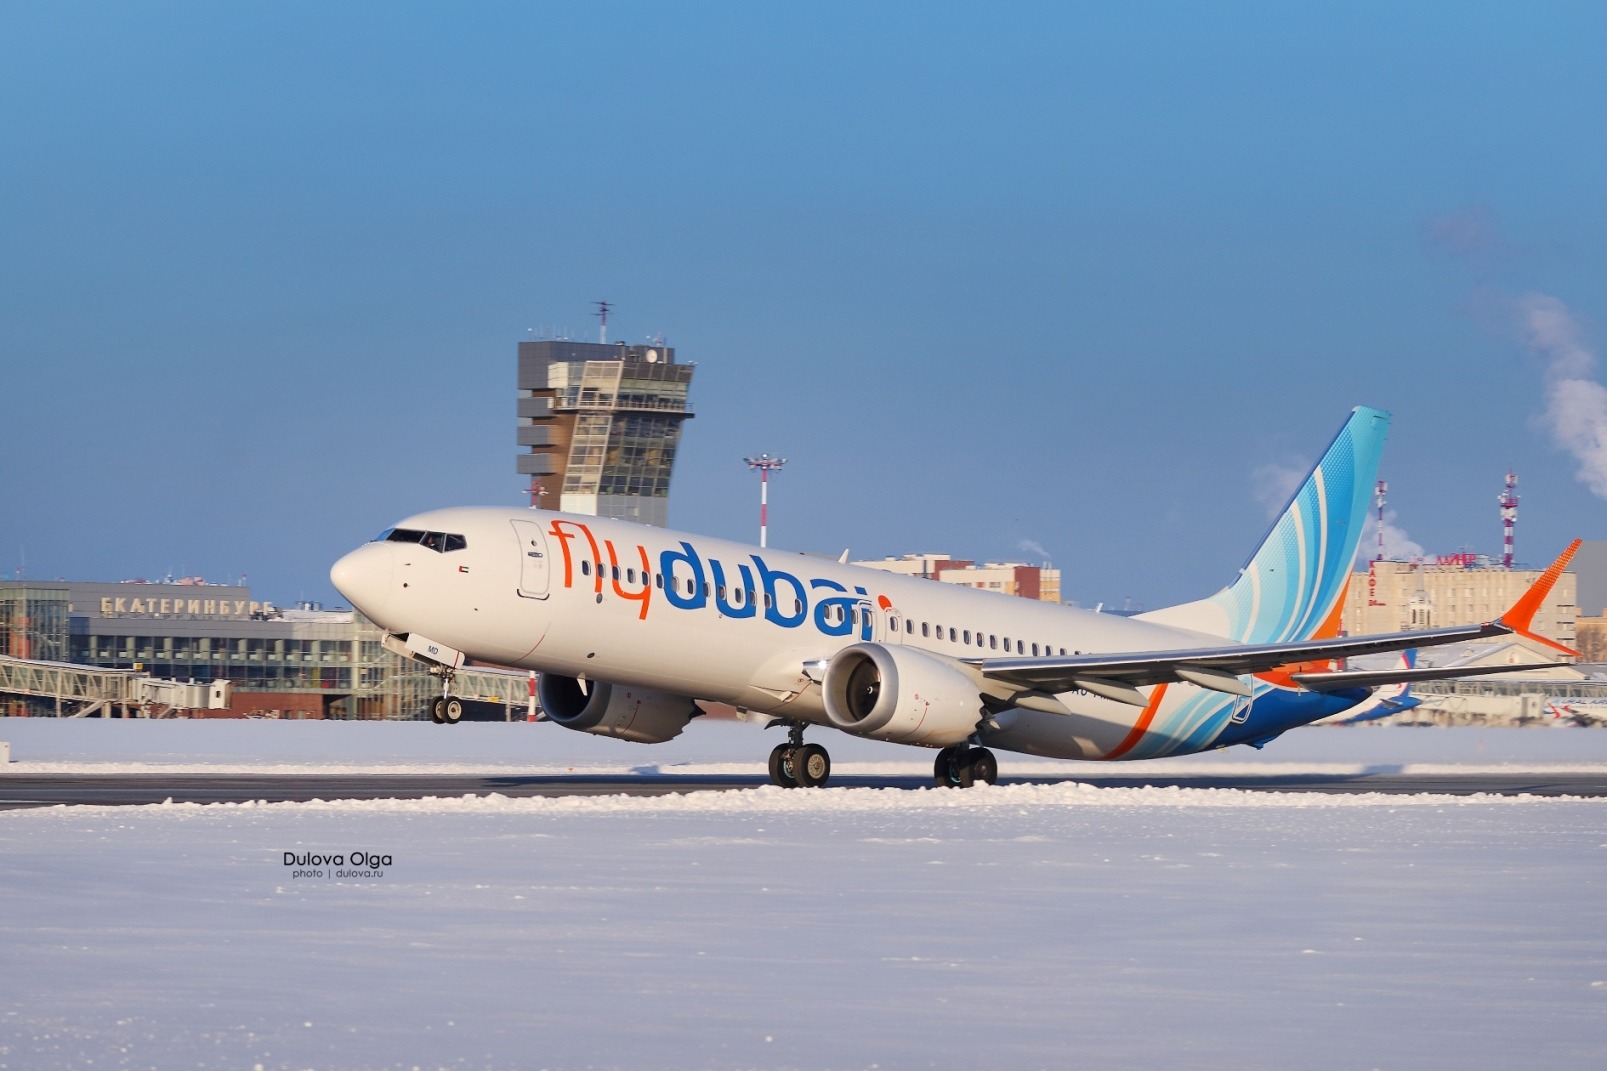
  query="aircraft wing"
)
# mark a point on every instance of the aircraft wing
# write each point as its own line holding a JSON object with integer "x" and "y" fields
{"x": 1119, "y": 674}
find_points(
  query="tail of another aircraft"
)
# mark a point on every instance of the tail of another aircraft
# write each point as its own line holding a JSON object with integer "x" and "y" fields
{"x": 1293, "y": 586}
{"x": 1385, "y": 701}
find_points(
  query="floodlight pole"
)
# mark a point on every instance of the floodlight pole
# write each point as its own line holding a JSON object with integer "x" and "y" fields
{"x": 764, "y": 463}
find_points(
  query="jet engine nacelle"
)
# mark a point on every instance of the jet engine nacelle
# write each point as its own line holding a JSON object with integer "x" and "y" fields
{"x": 605, "y": 709}
{"x": 899, "y": 694}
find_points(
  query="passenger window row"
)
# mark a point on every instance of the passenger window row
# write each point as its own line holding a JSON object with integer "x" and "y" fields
{"x": 990, "y": 640}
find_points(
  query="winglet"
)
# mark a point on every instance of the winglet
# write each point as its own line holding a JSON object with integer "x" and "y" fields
{"x": 1521, "y": 615}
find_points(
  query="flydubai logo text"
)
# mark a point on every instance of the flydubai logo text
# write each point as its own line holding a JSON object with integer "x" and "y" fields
{"x": 687, "y": 582}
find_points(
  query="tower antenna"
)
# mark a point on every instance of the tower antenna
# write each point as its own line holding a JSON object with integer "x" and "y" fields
{"x": 764, "y": 463}
{"x": 1509, "y": 517}
{"x": 602, "y": 314}
{"x": 1379, "y": 491}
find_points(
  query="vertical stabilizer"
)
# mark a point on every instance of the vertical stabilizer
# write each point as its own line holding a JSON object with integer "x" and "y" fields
{"x": 1294, "y": 581}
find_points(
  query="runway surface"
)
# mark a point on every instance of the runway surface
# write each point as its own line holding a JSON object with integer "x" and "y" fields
{"x": 128, "y": 789}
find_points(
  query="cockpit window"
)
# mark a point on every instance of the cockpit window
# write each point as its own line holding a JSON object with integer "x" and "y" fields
{"x": 440, "y": 542}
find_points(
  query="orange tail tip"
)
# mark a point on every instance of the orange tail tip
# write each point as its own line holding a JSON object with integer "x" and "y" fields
{"x": 1521, "y": 615}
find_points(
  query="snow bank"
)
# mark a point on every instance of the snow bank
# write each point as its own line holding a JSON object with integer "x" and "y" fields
{"x": 1023, "y": 926}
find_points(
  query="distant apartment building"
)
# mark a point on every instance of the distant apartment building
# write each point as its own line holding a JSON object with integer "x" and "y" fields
{"x": 1041, "y": 582}
{"x": 1590, "y": 565}
{"x": 1454, "y": 589}
{"x": 600, "y": 424}
{"x": 1590, "y": 638}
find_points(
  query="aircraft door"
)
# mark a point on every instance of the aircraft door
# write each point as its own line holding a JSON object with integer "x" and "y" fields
{"x": 533, "y": 565}
{"x": 868, "y": 624}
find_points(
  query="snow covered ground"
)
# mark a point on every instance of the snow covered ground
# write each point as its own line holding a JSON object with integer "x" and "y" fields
{"x": 1031, "y": 926}
{"x": 47, "y": 745}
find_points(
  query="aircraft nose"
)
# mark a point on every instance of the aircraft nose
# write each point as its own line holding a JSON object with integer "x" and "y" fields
{"x": 364, "y": 577}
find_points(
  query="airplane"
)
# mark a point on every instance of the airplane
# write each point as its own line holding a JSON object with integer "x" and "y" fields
{"x": 631, "y": 627}
{"x": 1575, "y": 714}
{"x": 1383, "y": 702}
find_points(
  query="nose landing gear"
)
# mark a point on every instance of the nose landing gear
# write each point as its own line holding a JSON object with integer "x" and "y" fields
{"x": 441, "y": 661}
{"x": 446, "y": 708}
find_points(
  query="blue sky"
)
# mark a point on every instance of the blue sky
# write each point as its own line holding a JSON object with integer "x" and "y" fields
{"x": 1084, "y": 277}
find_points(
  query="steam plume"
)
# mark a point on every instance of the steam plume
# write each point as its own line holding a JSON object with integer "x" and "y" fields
{"x": 1398, "y": 546}
{"x": 1576, "y": 404}
{"x": 1036, "y": 549}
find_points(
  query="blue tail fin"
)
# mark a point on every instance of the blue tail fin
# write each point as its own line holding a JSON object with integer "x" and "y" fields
{"x": 1292, "y": 585}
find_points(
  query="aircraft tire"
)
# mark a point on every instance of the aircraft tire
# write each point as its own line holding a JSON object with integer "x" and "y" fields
{"x": 437, "y": 706}
{"x": 983, "y": 767}
{"x": 945, "y": 769}
{"x": 811, "y": 766}
{"x": 452, "y": 710}
{"x": 781, "y": 766}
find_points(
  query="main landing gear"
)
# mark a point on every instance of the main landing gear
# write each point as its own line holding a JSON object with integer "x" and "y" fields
{"x": 446, "y": 708}
{"x": 796, "y": 764}
{"x": 962, "y": 766}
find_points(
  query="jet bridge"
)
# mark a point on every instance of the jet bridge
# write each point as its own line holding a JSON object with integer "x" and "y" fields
{"x": 82, "y": 691}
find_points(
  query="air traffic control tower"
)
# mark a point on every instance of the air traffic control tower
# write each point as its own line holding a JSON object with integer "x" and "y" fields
{"x": 601, "y": 423}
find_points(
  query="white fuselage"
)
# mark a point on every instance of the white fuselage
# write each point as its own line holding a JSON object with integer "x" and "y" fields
{"x": 714, "y": 620}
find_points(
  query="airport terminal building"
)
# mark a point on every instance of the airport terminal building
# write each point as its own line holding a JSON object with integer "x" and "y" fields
{"x": 306, "y": 662}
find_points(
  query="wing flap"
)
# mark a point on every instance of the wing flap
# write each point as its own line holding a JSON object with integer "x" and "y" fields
{"x": 1328, "y": 682}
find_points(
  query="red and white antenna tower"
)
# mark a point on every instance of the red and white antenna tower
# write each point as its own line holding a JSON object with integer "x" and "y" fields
{"x": 764, "y": 463}
{"x": 1379, "y": 490}
{"x": 602, "y": 314}
{"x": 1509, "y": 517}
